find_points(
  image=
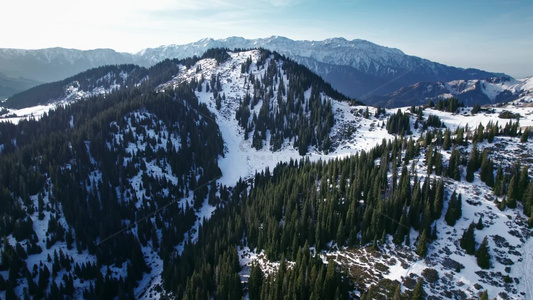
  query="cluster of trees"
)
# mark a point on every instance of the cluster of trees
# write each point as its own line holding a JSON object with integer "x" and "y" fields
{"x": 286, "y": 111}
{"x": 399, "y": 123}
{"x": 448, "y": 105}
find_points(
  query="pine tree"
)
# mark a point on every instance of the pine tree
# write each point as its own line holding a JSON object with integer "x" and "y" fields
{"x": 397, "y": 293}
{"x": 476, "y": 108}
{"x": 255, "y": 282}
{"x": 454, "y": 211}
{"x": 511, "y": 194}
{"x": 483, "y": 255}
{"x": 418, "y": 291}
{"x": 479, "y": 224}
{"x": 484, "y": 295}
{"x": 447, "y": 143}
{"x": 525, "y": 136}
{"x": 453, "y": 168}
{"x": 468, "y": 241}
{"x": 422, "y": 247}
{"x": 487, "y": 169}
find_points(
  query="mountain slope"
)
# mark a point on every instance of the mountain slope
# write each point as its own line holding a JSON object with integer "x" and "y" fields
{"x": 13, "y": 85}
{"x": 193, "y": 185}
{"x": 377, "y": 69}
{"x": 487, "y": 91}
{"x": 356, "y": 68}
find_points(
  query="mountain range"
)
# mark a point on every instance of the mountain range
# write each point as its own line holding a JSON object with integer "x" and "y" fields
{"x": 243, "y": 174}
{"x": 357, "y": 68}
{"x": 481, "y": 91}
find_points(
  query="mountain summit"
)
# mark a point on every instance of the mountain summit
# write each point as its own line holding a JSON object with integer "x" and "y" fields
{"x": 357, "y": 68}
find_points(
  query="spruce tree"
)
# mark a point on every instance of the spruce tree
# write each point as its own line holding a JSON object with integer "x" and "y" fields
{"x": 487, "y": 169}
{"x": 418, "y": 291}
{"x": 468, "y": 241}
{"x": 511, "y": 193}
{"x": 447, "y": 143}
{"x": 422, "y": 247}
{"x": 483, "y": 255}
{"x": 525, "y": 136}
{"x": 484, "y": 295}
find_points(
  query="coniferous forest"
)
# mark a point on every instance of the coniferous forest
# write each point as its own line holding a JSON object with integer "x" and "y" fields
{"x": 97, "y": 186}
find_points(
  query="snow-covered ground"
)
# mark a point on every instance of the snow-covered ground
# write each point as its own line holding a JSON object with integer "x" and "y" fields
{"x": 351, "y": 134}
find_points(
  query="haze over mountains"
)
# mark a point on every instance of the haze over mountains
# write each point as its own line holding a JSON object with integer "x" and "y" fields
{"x": 357, "y": 68}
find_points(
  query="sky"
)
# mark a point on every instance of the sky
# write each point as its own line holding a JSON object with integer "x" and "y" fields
{"x": 492, "y": 35}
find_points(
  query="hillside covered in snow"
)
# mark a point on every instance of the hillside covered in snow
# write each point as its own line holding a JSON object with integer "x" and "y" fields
{"x": 486, "y": 91}
{"x": 244, "y": 174}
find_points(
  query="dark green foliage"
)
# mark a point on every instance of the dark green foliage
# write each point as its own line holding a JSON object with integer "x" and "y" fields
{"x": 255, "y": 282}
{"x": 418, "y": 291}
{"x": 399, "y": 123}
{"x": 484, "y": 295}
{"x": 45, "y": 147}
{"x": 512, "y": 192}
{"x": 468, "y": 241}
{"x": 499, "y": 182}
{"x": 454, "y": 211}
{"x": 479, "y": 224}
{"x": 449, "y": 105}
{"x": 434, "y": 121}
{"x": 483, "y": 255}
{"x": 219, "y": 54}
{"x": 454, "y": 171}
{"x": 422, "y": 247}
{"x": 487, "y": 169}
{"x": 286, "y": 112}
{"x": 508, "y": 115}
{"x": 476, "y": 108}
{"x": 525, "y": 135}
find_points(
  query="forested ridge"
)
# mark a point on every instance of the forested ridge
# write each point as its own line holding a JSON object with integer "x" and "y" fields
{"x": 97, "y": 194}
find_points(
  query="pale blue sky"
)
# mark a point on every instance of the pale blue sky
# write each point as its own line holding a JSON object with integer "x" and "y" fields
{"x": 491, "y": 35}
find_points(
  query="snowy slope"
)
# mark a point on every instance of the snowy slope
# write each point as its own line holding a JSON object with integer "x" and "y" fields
{"x": 351, "y": 131}
{"x": 509, "y": 239}
{"x": 483, "y": 91}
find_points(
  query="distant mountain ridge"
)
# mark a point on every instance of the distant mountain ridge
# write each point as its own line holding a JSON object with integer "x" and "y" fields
{"x": 357, "y": 68}
{"x": 485, "y": 91}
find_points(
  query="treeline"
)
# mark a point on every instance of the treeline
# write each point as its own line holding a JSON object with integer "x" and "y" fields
{"x": 286, "y": 112}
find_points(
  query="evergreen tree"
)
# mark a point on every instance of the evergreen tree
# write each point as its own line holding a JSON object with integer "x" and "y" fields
{"x": 476, "y": 108}
{"x": 484, "y": 295}
{"x": 422, "y": 247}
{"x": 473, "y": 163}
{"x": 525, "y": 135}
{"x": 418, "y": 291}
{"x": 255, "y": 282}
{"x": 447, "y": 143}
{"x": 511, "y": 193}
{"x": 483, "y": 255}
{"x": 468, "y": 241}
{"x": 487, "y": 169}
{"x": 453, "y": 167}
